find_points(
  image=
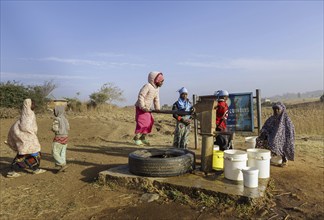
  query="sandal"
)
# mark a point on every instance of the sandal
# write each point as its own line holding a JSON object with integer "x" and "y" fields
{"x": 39, "y": 171}
{"x": 13, "y": 174}
{"x": 284, "y": 164}
{"x": 146, "y": 142}
{"x": 138, "y": 142}
{"x": 63, "y": 168}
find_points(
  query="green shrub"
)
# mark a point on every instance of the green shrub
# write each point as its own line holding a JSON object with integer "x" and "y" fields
{"x": 73, "y": 104}
{"x": 12, "y": 94}
{"x": 107, "y": 94}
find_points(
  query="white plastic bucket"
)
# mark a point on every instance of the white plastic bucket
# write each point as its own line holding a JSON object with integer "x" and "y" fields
{"x": 234, "y": 162}
{"x": 260, "y": 159}
{"x": 277, "y": 160}
{"x": 250, "y": 177}
{"x": 216, "y": 147}
{"x": 250, "y": 142}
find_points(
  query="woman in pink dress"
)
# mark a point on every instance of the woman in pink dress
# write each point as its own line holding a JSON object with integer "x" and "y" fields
{"x": 148, "y": 94}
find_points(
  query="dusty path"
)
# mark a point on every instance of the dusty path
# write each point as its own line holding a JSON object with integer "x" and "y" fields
{"x": 98, "y": 144}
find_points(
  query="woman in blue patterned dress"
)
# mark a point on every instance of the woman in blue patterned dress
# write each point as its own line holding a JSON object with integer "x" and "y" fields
{"x": 278, "y": 134}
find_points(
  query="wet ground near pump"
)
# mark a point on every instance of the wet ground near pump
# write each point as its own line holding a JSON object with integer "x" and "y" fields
{"x": 213, "y": 183}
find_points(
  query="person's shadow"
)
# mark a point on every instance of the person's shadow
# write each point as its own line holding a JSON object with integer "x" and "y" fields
{"x": 91, "y": 174}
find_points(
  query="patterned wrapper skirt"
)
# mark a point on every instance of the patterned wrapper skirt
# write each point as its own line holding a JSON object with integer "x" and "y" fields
{"x": 27, "y": 161}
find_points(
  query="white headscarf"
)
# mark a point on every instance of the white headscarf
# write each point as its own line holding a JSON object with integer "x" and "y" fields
{"x": 22, "y": 136}
{"x": 183, "y": 90}
{"x": 183, "y": 104}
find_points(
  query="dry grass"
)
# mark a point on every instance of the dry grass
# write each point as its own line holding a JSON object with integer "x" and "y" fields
{"x": 308, "y": 118}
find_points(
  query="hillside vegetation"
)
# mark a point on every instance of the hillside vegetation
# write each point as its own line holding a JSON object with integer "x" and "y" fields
{"x": 295, "y": 96}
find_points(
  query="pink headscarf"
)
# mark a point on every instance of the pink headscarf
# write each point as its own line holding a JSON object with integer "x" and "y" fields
{"x": 158, "y": 78}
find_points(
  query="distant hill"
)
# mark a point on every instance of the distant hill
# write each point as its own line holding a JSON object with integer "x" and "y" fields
{"x": 290, "y": 96}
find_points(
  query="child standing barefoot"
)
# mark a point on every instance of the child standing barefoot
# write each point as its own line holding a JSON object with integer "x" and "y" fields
{"x": 60, "y": 128}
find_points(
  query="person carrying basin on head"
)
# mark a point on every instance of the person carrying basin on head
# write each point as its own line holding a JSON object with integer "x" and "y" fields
{"x": 144, "y": 119}
{"x": 278, "y": 134}
{"x": 22, "y": 138}
{"x": 60, "y": 128}
{"x": 182, "y": 130}
{"x": 222, "y": 140}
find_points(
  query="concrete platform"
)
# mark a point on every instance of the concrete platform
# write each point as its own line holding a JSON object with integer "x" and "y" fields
{"x": 213, "y": 184}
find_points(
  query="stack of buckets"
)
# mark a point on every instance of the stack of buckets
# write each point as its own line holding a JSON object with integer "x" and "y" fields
{"x": 243, "y": 165}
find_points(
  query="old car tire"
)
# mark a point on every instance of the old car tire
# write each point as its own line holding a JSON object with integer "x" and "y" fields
{"x": 161, "y": 162}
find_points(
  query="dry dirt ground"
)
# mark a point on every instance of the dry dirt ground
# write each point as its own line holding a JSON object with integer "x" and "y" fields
{"x": 103, "y": 141}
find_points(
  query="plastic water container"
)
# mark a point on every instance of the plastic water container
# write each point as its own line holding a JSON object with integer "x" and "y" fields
{"x": 260, "y": 159}
{"x": 234, "y": 162}
{"x": 218, "y": 159}
{"x": 276, "y": 160}
{"x": 250, "y": 177}
{"x": 216, "y": 147}
{"x": 250, "y": 142}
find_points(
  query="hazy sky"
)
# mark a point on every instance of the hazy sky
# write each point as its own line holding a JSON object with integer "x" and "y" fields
{"x": 276, "y": 46}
